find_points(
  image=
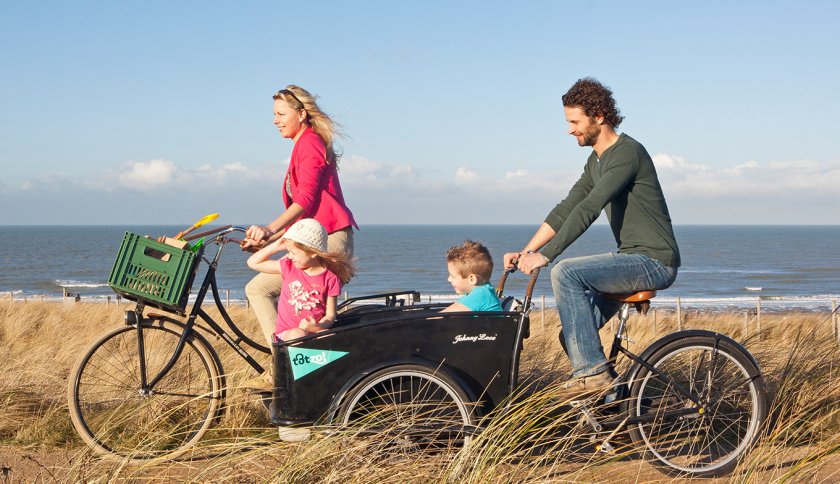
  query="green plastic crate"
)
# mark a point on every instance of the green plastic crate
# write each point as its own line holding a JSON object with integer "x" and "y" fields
{"x": 158, "y": 274}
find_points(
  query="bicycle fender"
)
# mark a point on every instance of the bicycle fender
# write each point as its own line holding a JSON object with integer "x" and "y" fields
{"x": 755, "y": 370}
{"x": 338, "y": 398}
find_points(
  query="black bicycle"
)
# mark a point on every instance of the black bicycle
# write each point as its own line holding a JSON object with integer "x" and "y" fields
{"x": 150, "y": 389}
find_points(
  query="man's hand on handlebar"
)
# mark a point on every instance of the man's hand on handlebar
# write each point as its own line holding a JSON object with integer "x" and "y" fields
{"x": 524, "y": 261}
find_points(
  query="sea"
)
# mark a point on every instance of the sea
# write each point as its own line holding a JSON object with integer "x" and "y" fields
{"x": 723, "y": 267}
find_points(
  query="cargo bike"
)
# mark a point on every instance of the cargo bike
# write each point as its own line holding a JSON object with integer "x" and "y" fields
{"x": 148, "y": 390}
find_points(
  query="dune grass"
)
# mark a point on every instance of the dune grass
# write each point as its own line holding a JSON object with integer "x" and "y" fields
{"x": 533, "y": 440}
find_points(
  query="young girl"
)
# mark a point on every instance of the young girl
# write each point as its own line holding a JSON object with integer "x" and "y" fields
{"x": 312, "y": 279}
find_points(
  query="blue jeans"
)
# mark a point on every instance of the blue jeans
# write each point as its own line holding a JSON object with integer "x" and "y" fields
{"x": 577, "y": 284}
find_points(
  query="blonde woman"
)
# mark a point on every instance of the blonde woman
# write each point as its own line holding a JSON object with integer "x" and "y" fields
{"x": 311, "y": 189}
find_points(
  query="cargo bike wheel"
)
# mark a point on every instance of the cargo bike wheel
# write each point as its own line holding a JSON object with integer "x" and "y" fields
{"x": 118, "y": 418}
{"x": 410, "y": 405}
{"x": 722, "y": 375}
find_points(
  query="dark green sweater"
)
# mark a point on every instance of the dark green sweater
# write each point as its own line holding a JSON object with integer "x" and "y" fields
{"x": 624, "y": 184}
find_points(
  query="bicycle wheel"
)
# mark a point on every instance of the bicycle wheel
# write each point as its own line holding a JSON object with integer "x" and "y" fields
{"x": 115, "y": 417}
{"x": 724, "y": 378}
{"x": 413, "y": 404}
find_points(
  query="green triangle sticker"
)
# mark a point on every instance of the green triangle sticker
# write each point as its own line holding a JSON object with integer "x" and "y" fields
{"x": 305, "y": 360}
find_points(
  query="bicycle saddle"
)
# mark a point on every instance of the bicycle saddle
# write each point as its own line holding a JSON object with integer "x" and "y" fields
{"x": 640, "y": 300}
{"x": 632, "y": 297}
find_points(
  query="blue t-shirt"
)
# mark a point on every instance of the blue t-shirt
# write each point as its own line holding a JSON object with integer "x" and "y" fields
{"x": 482, "y": 298}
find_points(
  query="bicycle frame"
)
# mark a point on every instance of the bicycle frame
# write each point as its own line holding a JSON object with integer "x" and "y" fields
{"x": 135, "y": 318}
{"x": 699, "y": 401}
{"x": 616, "y": 348}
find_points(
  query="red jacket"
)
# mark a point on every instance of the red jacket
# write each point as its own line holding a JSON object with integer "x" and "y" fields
{"x": 315, "y": 185}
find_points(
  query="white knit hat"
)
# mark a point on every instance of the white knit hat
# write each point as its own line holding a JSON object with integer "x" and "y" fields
{"x": 309, "y": 232}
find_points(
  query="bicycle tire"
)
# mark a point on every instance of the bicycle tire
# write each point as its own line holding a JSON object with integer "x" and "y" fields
{"x": 410, "y": 404}
{"x": 118, "y": 421}
{"x": 707, "y": 444}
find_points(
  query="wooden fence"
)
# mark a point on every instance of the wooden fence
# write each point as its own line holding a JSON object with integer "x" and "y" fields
{"x": 752, "y": 316}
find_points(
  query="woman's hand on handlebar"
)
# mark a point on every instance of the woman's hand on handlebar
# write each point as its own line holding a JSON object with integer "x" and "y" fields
{"x": 258, "y": 232}
{"x": 256, "y": 237}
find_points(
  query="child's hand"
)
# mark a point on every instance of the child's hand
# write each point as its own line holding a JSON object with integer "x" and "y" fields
{"x": 309, "y": 325}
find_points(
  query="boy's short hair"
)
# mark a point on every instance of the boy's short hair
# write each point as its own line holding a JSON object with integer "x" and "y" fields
{"x": 471, "y": 258}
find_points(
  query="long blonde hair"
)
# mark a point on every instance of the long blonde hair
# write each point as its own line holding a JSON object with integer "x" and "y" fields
{"x": 338, "y": 263}
{"x": 299, "y": 98}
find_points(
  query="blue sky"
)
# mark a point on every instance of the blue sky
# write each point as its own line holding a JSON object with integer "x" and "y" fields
{"x": 160, "y": 112}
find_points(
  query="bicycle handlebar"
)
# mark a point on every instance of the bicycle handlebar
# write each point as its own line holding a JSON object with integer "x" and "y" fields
{"x": 218, "y": 230}
{"x": 528, "y": 291}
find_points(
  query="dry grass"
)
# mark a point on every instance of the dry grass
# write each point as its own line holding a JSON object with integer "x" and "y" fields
{"x": 534, "y": 441}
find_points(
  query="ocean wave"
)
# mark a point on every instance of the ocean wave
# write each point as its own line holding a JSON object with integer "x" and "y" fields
{"x": 731, "y": 271}
{"x": 70, "y": 283}
{"x": 770, "y": 304}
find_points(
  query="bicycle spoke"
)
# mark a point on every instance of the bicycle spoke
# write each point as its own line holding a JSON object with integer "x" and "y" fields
{"x": 412, "y": 405}
{"x": 114, "y": 413}
{"x": 704, "y": 443}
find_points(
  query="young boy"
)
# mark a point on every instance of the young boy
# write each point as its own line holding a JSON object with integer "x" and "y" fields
{"x": 470, "y": 267}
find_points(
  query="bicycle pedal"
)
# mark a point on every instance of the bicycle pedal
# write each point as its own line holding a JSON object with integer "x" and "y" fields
{"x": 605, "y": 448}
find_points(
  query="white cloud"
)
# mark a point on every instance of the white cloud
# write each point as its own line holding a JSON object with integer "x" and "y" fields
{"x": 516, "y": 175}
{"x": 161, "y": 174}
{"x": 465, "y": 176}
{"x": 785, "y": 179}
{"x": 147, "y": 175}
{"x": 515, "y": 183}
{"x": 360, "y": 170}
{"x": 384, "y": 192}
{"x": 43, "y": 182}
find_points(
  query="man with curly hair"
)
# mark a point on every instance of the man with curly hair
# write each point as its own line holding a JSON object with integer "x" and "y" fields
{"x": 620, "y": 179}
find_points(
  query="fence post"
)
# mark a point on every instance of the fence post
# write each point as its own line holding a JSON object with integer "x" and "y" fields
{"x": 108, "y": 301}
{"x": 227, "y": 298}
{"x": 835, "y": 331}
{"x": 758, "y": 316}
{"x": 542, "y": 312}
{"x": 679, "y": 315}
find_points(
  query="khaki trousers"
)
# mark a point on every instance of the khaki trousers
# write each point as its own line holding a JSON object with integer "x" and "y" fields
{"x": 263, "y": 290}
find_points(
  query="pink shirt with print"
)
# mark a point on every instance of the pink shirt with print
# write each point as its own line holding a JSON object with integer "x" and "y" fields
{"x": 303, "y": 295}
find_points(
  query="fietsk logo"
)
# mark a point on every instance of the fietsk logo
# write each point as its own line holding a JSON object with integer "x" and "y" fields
{"x": 304, "y": 360}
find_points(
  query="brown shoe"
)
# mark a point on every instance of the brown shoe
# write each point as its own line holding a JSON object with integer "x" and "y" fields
{"x": 585, "y": 386}
{"x": 261, "y": 384}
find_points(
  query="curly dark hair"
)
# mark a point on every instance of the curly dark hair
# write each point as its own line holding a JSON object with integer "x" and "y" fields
{"x": 595, "y": 99}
